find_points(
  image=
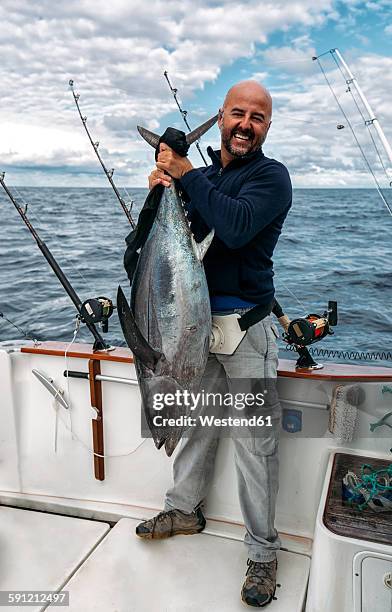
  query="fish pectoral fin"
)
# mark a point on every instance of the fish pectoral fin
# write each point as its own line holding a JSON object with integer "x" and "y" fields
{"x": 202, "y": 129}
{"x": 138, "y": 344}
{"x": 201, "y": 248}
{"x": 150, "y": 137}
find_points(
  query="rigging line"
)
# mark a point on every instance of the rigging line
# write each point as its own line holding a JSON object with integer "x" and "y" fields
{"x": 356, "y": 139}
{"x": 95, "y": 145}
{"x": 316, "y": 57}
{"x": 20, "y": 330}
{"x": 183, "y": 114}
{"x": 70, "y": 428}
{"x": 292, "y": 61}
{"x": 281, "y": 116}
{"x": 32, "y": 214}
{"x": 76, "y": 438}
{"x": 129, "y": 196}
{"x": 367, "y": 123}
{"x": 293, "y": 295}
{"x": 75, "y": 333}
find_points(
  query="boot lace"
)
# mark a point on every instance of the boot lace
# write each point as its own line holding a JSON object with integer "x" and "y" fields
{"x": 260, "y": 571}
{"x": 161, "y": 517}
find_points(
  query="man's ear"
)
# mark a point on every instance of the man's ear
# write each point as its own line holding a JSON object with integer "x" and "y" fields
{"x": 220, "y": 116}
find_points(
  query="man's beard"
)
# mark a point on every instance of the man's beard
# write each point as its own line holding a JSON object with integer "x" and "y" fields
{"x": 239, "y": 150}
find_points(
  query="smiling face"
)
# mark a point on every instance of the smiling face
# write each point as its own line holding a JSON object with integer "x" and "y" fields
{"x": 244, "y": 120}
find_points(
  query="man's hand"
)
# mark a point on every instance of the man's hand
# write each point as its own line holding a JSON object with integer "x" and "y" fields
{"x": 172, "y": 163}
{"x": 158, "y": 177}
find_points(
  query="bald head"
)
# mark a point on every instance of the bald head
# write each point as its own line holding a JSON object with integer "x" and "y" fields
{"x": 249, "y": 90}
{"x": 244, "y": 119}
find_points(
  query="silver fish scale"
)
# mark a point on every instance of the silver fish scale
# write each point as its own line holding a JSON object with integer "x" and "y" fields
{"x": 171, "y": 305}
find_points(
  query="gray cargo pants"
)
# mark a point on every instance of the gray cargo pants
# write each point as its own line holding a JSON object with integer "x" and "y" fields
{"x": 256, "y": 453}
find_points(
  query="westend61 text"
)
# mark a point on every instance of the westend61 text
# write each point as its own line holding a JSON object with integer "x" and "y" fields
{"x": 186, "y": 398}
{"x": 212, "y": 421}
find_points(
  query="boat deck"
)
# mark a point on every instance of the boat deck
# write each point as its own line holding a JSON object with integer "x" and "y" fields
{"x": 108, "y": 570}
{"x": 40, "y": 551}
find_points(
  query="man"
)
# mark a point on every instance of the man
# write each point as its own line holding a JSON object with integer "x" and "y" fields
{"x": 245, "y": 197}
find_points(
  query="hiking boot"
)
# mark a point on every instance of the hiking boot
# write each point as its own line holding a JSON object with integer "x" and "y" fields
{"x": 171, "y": 523}
{"x": 260, "y": 583}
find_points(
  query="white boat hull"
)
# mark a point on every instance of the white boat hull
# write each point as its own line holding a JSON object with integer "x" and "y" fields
{"x": 47, "y": 464}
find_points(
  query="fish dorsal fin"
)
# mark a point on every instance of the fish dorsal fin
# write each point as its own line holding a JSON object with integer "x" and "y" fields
{"x": 150, "y": 137}
{"x": 202, "y": 129}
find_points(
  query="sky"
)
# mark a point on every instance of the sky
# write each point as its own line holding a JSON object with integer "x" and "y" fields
{"x": 116, "y": 53}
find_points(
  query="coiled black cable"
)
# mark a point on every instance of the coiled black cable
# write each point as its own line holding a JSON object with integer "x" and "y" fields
{"x": 347, "y": 355}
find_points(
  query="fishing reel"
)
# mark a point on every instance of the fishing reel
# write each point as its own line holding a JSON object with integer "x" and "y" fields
{"x": 307, "y": 330}
{"x": 97, "y": 310}
{"x": 300, "y": 333}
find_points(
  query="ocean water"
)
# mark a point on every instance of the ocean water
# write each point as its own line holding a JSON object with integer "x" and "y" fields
{"x": 336, "y": 245}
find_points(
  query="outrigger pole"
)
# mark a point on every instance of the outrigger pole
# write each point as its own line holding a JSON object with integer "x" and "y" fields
{"x": 95, "y": 145}
{"x": 99, "y": 344}
{"x": 351, "y": 83}
{"x": 372, "y": 120}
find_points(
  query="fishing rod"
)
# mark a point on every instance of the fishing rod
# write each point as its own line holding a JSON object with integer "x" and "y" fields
{"x": 183, "y": 113}
{"x": 90, "y": 312}
{"x": 95, "y": 145}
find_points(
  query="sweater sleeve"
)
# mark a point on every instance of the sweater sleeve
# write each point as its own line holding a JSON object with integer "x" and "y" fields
{"x": 236, "y": 220}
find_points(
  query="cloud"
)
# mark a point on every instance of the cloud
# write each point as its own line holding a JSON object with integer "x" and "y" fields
{"x": 317, "y": 153}
{"x": 116, "y": 53}
{"x": 380, "y": 5}
{"x": 259, "y": 76}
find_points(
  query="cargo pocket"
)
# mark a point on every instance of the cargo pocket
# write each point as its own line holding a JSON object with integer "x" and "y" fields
{"x": 260, "y": 435}
{"x": 261, "y": 443}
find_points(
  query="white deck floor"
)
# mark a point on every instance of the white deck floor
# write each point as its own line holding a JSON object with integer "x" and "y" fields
{"x": 114, "y": 571}
{"x": 40, "y": 551}
{"x": 202, "y": 573}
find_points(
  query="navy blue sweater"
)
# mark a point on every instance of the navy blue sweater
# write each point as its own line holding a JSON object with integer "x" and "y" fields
{"x": 246, "y": 203}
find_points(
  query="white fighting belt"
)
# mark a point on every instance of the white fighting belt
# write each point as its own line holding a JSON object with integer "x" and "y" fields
{"x": 226, "y": 334}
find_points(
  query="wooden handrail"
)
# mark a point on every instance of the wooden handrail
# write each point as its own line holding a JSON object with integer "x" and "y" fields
{"x": 331, "y": 371}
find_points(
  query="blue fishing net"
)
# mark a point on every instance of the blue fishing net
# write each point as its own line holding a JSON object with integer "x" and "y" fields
{"x": 372, "y": 489}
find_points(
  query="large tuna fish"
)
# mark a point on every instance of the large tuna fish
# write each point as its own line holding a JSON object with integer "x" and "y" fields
{"x": 168, "y": 325}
